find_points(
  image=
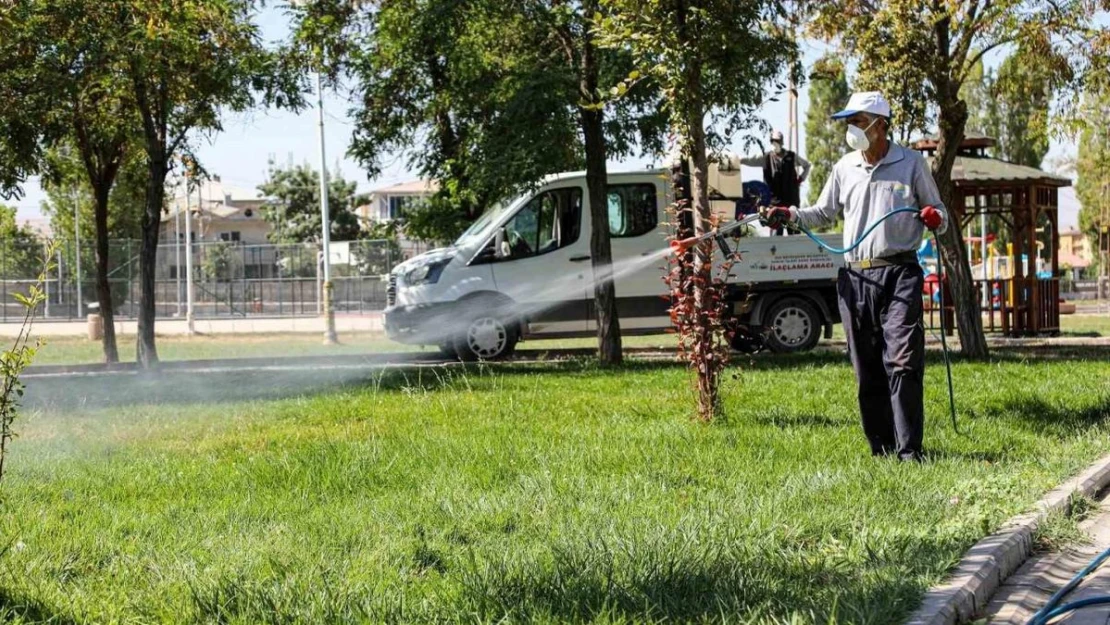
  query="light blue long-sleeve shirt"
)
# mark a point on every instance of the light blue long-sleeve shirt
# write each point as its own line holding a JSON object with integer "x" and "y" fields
{"x": 865, "y": 193}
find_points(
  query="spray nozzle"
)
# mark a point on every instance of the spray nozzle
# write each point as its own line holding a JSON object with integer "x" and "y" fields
{"x": 680, "y": 246}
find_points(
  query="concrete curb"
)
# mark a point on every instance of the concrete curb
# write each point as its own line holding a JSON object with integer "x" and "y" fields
{"x": 990, "y": 561}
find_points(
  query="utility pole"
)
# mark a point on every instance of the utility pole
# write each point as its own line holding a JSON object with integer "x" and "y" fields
{"x": 190, "y": 329}
{"x": 77, "y": 250}
{"x": 329, "y": 314}
{"x": 177, "y": 244}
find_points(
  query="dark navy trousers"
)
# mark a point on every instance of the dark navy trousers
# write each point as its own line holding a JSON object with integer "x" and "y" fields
{"x": 880, "y": 309}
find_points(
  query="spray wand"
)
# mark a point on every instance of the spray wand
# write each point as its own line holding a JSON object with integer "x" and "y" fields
{"x": 679, "y": 247}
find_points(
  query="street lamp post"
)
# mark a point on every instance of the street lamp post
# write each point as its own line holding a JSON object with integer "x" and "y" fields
{"x": 177, "y": 245}
{"x": 190, "y": 329}
{"x": 329, "y": 313}
{"x": 77, "y": 250}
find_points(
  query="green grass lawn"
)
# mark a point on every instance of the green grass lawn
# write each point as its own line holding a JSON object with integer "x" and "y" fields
{"x": 553, "y": 493}
{"x": 1085, "y": 324}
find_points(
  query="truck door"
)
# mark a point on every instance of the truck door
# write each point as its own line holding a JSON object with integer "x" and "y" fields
{"x": 548, "y": 272}
{"x": 635, "y": 207}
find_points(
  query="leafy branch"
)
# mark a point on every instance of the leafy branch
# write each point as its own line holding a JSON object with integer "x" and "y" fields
{"x": 14, "y": 360}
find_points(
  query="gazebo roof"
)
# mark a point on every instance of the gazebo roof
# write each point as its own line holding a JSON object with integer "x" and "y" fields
{"x": 973, "y": 141}
{"x": 981, "y": 170}
{"x": 974, "y": 167}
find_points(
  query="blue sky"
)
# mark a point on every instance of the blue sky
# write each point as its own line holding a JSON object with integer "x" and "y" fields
{"x": 239, "y": 155}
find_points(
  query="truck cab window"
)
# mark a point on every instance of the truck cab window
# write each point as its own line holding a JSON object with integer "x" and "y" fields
{"x": 633, "y": 210}
{"x": 548, "y": 222}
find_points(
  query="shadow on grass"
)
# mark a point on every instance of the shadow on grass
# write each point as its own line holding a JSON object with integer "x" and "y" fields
{"x": 674, "y": 580}
{"x": 1054, "y": 419}
{"x": 17, "y": 609}
{"x": 706, "y": 582}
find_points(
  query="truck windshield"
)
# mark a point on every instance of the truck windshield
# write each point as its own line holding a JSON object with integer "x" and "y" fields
{"x": 480, "y": 228}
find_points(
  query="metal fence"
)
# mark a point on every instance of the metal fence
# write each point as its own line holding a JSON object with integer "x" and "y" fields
{"x": 229, "y": 279}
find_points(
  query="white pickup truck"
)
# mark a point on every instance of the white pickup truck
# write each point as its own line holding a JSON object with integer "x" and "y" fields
{"x": 523, "y": 271}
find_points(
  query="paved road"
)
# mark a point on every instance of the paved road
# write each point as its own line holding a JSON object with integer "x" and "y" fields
{"x": 1027, "y": 590}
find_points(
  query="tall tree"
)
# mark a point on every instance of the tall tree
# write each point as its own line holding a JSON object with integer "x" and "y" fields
{"x": 187, "y": 61}
{"x": 895, "y": 46}
{"x": 828, "y": 91}
{"x": 1022, "y": 93}
{"x": 1093, "y": 170}
{"x": 499, "y": 95}
{"x": 292, "y": 205}
{"x": 460, "y": 89}
{"x": 944, "y": 40}
{"x": 712, "y": 59}
{"x": 604, "y": 125}
{"x": 982, "y": 109}
{"x": 1013, "y": 105}
{"x": 72, "y": 90}
{"x": 21, "y": 251}
{"x": 70, "y": 187}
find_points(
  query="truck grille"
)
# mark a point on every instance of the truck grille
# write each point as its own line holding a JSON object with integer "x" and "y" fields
{"x": 391, "y": 291}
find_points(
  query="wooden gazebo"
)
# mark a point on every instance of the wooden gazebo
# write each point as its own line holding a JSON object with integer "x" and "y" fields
{"x": 1019, "y": 289}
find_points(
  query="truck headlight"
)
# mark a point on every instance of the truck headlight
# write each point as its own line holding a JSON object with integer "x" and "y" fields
{"x": 427, "y": 273}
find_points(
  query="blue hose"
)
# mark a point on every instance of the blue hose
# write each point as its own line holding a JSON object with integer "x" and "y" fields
{"x": 940, "y": 287}
{"x": 1051, "y": 610}
{"x": 859, "y": 241}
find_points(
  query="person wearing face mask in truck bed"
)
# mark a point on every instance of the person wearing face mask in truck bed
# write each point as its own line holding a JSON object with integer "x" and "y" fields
{"x": 783, "y": 171}
{"x": 880, "y": 287}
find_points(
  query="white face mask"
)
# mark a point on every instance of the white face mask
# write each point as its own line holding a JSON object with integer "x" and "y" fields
{"x": 857, "y": 137}
{"x": 776, "y": 148}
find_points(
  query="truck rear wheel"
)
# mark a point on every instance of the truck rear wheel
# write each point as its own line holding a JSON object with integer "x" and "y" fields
{"x": 793, "y": 325}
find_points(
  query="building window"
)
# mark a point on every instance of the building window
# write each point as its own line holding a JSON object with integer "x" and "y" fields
{"x": 633, "y": 210}
{"x": 397, "y": 205}
{"x": 229, "y": 236}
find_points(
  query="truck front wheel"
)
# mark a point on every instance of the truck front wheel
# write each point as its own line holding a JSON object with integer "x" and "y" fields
{"x": 486, "y": 337}
{"x": 793, "y": 325}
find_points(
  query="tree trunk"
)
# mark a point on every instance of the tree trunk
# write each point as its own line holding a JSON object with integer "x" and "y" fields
{"x": 103, "y": 287}
{"x": 969, "y": 322}
{"x": 597, "y": 182}
{"x": 146, "y": 352}
{"x": 703, "y": 253}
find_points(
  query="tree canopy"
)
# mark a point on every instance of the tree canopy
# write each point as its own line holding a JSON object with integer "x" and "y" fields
{"x": 292, "y": 205}
{"x": 828, "y": 91}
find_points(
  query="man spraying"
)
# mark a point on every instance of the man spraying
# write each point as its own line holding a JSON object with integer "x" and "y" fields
{"x": 880, "y": 287}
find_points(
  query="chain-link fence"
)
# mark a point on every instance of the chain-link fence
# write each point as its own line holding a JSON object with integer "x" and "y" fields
{"x": 229, "y": 279}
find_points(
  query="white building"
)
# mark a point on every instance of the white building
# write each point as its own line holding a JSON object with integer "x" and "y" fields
{"x": 389, "y": 204}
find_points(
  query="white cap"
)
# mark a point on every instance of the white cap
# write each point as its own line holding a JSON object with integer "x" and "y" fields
{"x": 776, "y": 136}
{"x": 865, "y": 102}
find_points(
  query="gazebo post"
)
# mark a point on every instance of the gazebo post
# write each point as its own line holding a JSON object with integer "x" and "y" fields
{"x": 1054, "y": 220}
{"x": 1020, "y": 216}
